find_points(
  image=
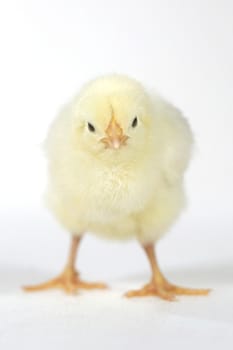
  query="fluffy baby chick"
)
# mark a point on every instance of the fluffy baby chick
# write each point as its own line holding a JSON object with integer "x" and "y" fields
{"x": 117, "y": 156}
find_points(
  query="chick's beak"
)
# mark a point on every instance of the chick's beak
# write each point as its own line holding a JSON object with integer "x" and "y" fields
{"x": 115, "y": 137}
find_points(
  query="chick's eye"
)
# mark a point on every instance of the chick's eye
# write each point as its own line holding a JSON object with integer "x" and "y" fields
{"x": 135, "y": 122}
{"x": 91, "y": 128}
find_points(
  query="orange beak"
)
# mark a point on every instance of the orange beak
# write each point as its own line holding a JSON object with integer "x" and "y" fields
{"x": 115, "y": 137}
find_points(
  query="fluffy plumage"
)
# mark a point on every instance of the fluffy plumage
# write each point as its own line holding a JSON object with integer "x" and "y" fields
{"x": 117, "y": 156}
{"x": 134, "y": 191}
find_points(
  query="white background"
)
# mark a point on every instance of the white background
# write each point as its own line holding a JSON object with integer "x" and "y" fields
{"x": 48, "y": 49}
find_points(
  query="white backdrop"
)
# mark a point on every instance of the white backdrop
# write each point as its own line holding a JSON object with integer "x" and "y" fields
{"x": 184, "y": 49}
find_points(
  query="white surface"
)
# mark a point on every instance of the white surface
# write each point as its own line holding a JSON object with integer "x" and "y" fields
{"x": 196, "y": 253}
{"x": 48, "y": 49}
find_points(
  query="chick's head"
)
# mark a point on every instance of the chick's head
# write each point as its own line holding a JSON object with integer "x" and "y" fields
{"x": 112, "y": 117}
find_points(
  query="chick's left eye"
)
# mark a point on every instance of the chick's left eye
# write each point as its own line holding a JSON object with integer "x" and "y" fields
{"x": 135, "y": 122}
{"x": 91, "y": 128}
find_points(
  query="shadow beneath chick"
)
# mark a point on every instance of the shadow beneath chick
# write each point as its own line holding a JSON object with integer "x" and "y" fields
{"x": 213, "y": 275}
{"x": 12, "y": 278}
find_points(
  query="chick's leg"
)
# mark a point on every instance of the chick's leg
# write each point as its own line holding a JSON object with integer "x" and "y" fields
{"x": 159, "y": 286}
{"x": 69, "y": 279}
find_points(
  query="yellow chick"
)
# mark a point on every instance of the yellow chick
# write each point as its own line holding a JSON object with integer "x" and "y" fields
{"x": 117, "y": 156}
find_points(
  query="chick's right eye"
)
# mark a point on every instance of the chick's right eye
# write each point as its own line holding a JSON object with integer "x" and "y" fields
{"x": 91, "y": 128}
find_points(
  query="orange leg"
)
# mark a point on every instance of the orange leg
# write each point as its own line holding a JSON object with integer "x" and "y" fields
{"x": 159, "y": 286}
{"x": 69, "y": 279}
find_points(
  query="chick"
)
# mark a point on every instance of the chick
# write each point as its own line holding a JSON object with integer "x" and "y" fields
{"x": 117, "y": 156}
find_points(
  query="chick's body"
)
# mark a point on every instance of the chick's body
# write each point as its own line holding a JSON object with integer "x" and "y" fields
{"x": 136, "y": 191}
{"x": 117, "y": 157}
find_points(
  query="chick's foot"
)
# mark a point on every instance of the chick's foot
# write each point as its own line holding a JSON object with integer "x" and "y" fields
{"x": 165, "y": 290}
{"x": 159, "y": 286}
{"x": 68, "y": 281}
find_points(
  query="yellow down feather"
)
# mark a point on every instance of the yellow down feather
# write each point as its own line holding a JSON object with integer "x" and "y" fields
{"x": 135, "y": 191}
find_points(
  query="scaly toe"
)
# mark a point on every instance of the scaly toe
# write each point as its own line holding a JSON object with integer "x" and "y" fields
{"x": 54, "y": 283}
{"x": 92, "y": 285}
{"x": 186, "y": 291}
{"x": 150, "y": 290}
